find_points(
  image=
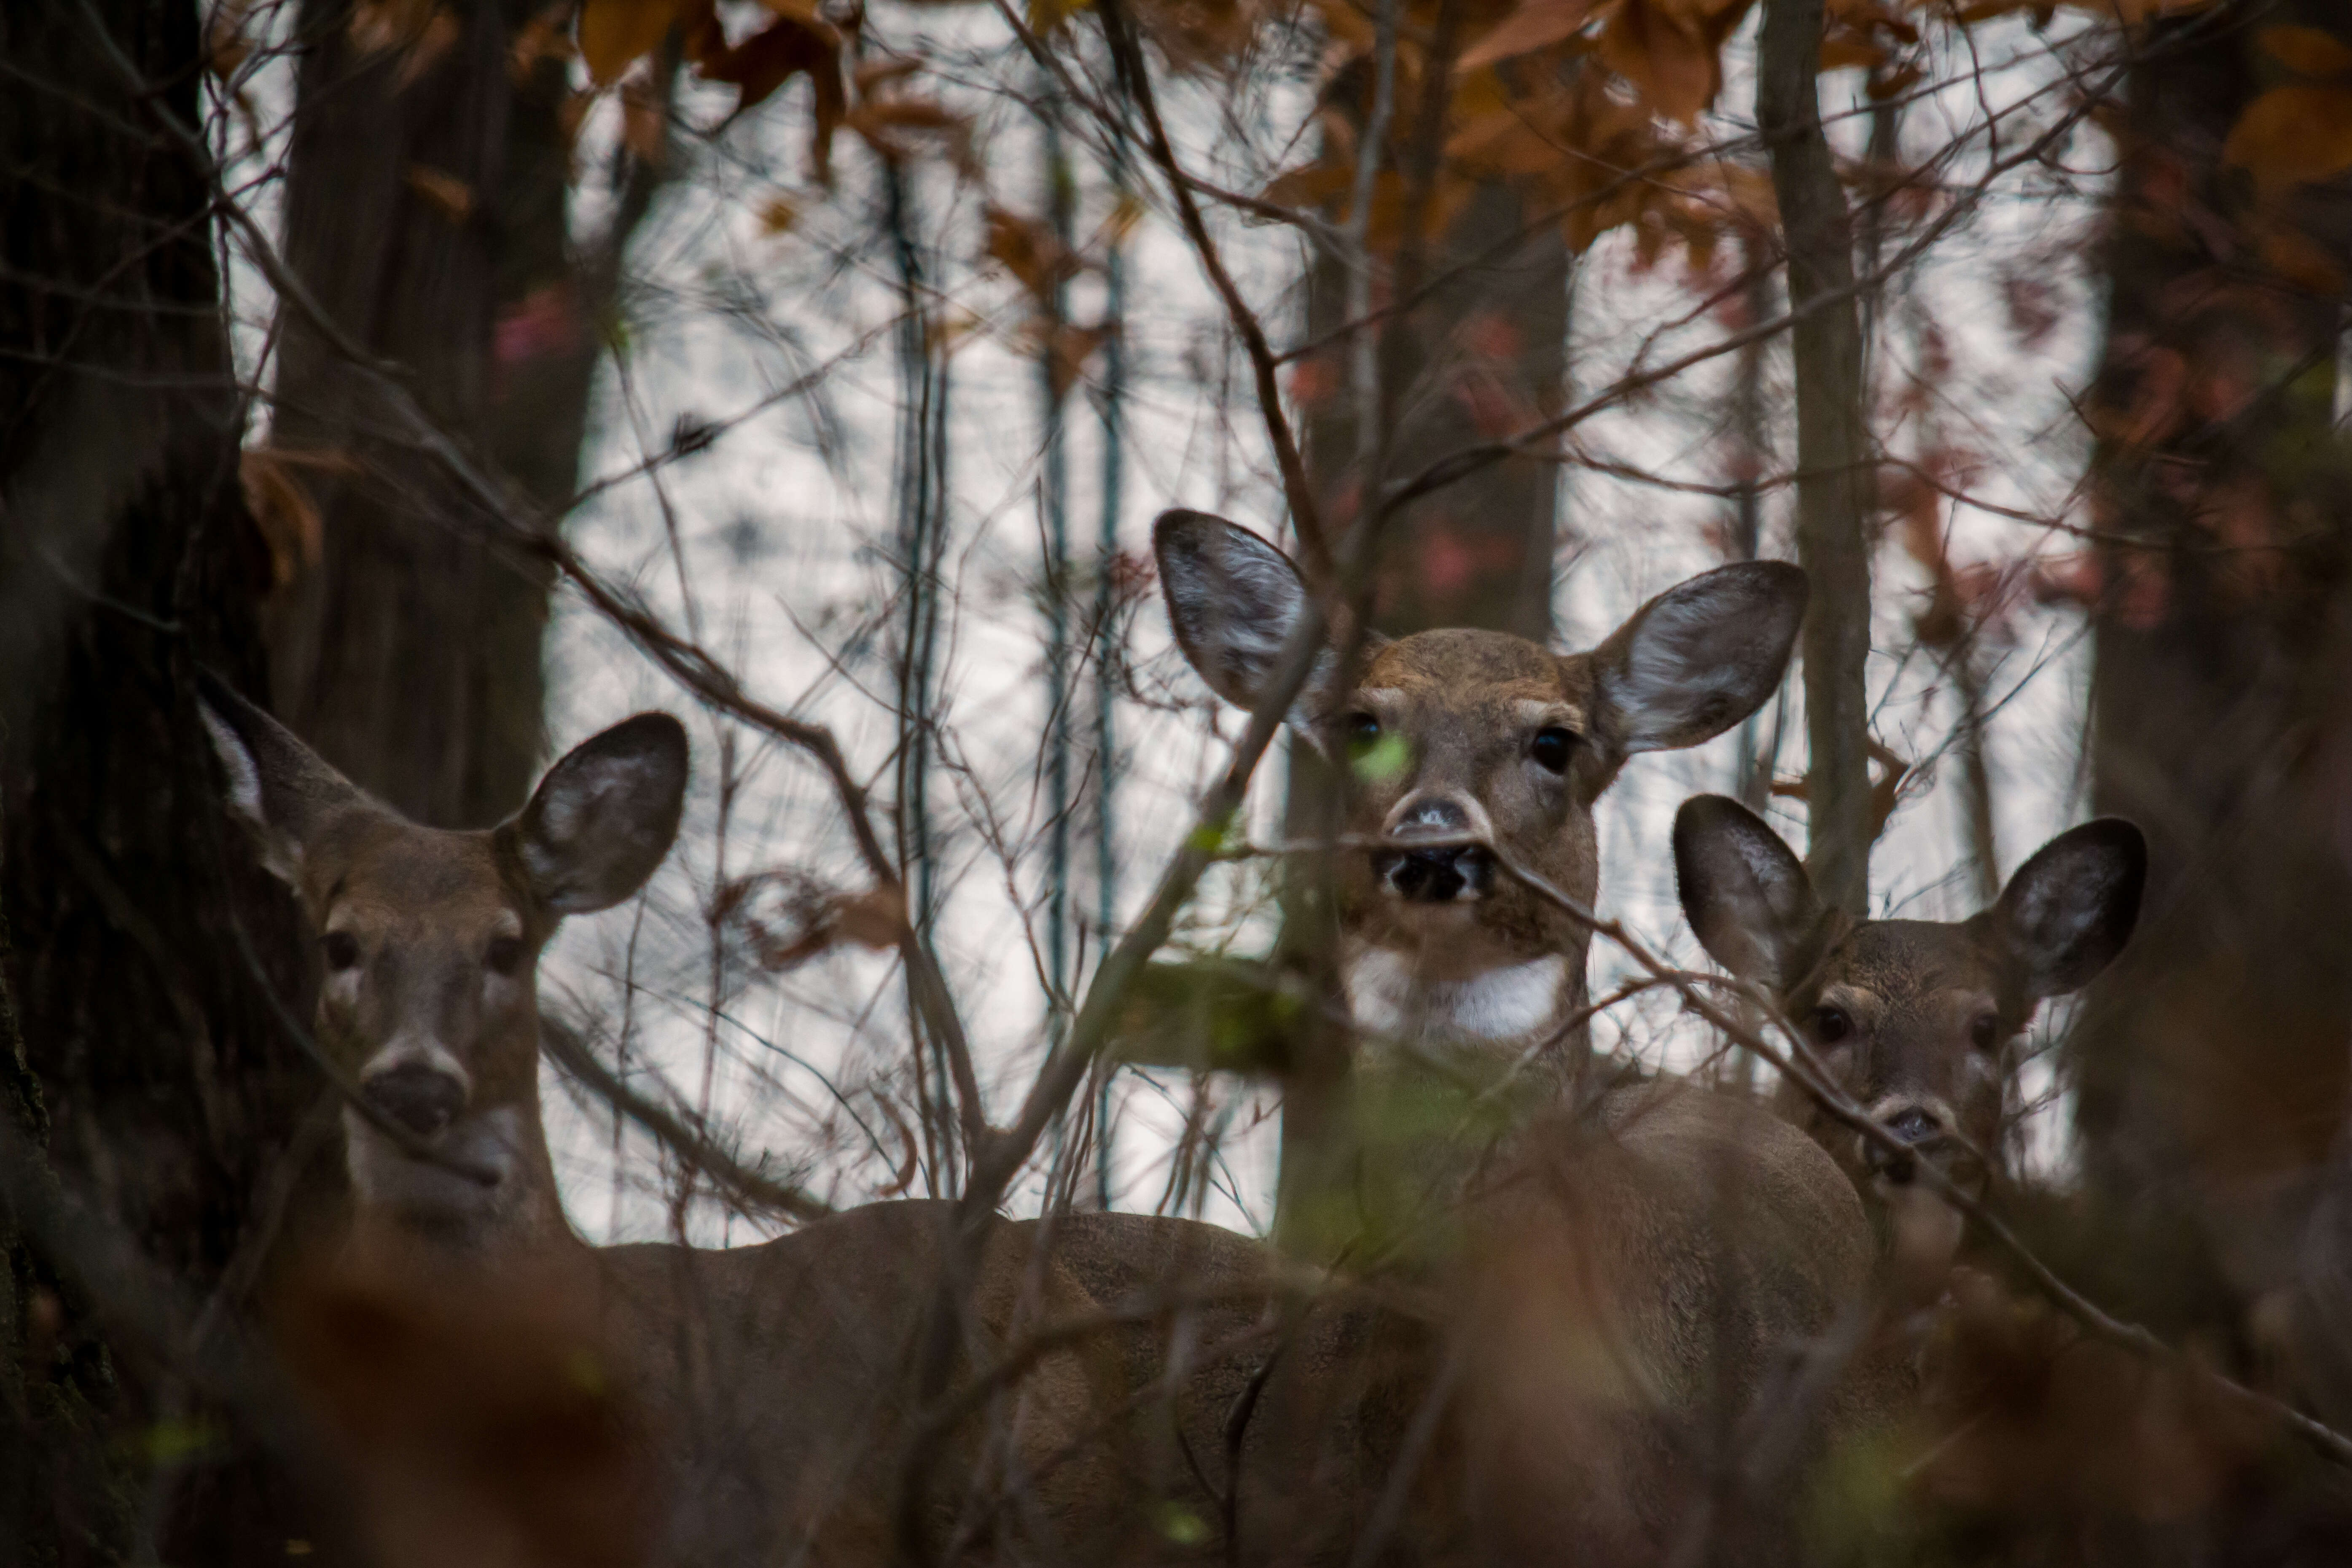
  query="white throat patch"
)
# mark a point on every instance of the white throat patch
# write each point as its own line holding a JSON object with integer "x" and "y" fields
{"x": 1387, "y": 997}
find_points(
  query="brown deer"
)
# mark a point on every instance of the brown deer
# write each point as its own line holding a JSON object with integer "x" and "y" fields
{"x": 1578, "y": 1355}
{"x": 1916, "y": 1020}
{"x": 1464, "y": 734}
{"x": 772, "y": 1388}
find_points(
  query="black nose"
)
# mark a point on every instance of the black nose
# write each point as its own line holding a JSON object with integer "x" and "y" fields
{"x": 1914, "y": 1125}
{"x": 421, "y": 1098}
{"x": 1435, "y": 876}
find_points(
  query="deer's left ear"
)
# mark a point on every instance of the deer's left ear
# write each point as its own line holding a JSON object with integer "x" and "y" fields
{"x": 2070, "y": 907}
{"x": 283, "y": 793}
{"x": 1700, "y": 657}
{"x": 1746, "y": 893}
{"x": 604, "y": 816}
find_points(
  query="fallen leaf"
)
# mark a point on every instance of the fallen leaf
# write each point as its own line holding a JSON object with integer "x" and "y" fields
{"x": 779, "y": 215}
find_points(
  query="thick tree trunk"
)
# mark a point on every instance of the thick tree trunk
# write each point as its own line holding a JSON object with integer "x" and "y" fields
{"x": 153, "y": 1060}
{"x": 1833, "y": 478}
{"x": 408, "y": 654}
{"x": 2212, "y": 1069}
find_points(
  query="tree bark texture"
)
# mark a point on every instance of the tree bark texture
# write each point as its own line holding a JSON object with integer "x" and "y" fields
{"x": 2211, "y": 1068}
{"x": 406, "y": 651}
{"x": 152, "y": 1062}
{"x": 1833, "y": 452}
{"x": 1482, "y": 355}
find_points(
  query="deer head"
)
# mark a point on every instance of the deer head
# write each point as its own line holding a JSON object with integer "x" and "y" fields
{"x": 431, "y": 938}
{"x": 1464, "y": 734}
{"x": 1915, "y": 1019}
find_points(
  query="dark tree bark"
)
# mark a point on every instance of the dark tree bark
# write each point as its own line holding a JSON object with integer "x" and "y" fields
{"x": 2212, "y": 1070}
{"x": 152, "y": 1062}
{"x": 1833, "y": 477}
{"x": 426, "y": 214}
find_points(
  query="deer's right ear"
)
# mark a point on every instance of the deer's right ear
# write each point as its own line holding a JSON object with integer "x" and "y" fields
{"x": 1745, "y": 892}
{"x": 604, "y": 816}
{"x": 2070, "y": 908}
{"x": 279, "y": 790}
{"x": 1233, "y": 599}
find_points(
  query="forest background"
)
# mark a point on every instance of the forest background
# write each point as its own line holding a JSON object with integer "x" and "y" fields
{"x": 462, "y": 378}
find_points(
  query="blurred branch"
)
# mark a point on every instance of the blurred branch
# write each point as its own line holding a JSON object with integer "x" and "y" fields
{"x": 566, "y": 1049}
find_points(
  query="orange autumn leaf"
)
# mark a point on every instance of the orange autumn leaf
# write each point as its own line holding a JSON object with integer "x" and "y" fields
{"x": 1672, "y": 50}
{"x": 615, "y": 34}
{"x": 447, "y": 195}
{"x": 2293, "y": 135}
{"x": 2308, "y": 51}
{"x": 1031, "y": 251}
{"x": 1536, "y": 25}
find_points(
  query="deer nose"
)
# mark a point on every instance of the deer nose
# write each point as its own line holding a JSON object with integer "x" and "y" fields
{"x": 1441, "y": 874}
{"x": 1914, "y": 1125}
{"x": 422, "y": 1099}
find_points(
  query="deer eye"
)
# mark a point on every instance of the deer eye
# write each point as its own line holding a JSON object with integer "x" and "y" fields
{"x": 1984, "y": 1031}
{"x": 342, "y": 948}
{"x": 1552, "y": 748}
{"x": 506, "y": 952}
{"x": 1832, "y": 1025}
{"x": 1363, "y": 734}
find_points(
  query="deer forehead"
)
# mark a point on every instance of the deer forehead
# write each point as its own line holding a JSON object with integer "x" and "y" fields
{"x": 1461, "y": 669}
{"x": 383, "y": 874}
{"x": 1909, "y": 964}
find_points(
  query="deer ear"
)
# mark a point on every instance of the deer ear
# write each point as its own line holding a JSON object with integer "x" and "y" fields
{"x": 1745, "y": 892}
{"x": 1700, "y": 657}
{"x": 1233, "y": 599}
{"x": 604, "y": 816}
{"x": 2070, "y": 908}
{"x": 279, "y": 790}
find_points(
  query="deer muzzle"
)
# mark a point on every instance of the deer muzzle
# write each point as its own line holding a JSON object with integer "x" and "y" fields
{"x": 424, "y": 1099}
{"x": 1443, "y": 873}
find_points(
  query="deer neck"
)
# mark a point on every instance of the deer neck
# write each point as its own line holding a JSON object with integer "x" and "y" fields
{"x": 418, "y": 1210}
{"x": 1494, "y": 1017}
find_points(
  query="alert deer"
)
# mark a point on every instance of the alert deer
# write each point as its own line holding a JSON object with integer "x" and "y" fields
{"x": 1464, "y": 732}
{"x": 1916, "y": 1020}
{"x": 1600, "y": 1305}
{"x": 773, "y": 1385}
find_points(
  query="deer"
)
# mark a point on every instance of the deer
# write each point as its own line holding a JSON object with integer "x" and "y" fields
{"x": 1916, "y": 1020}
{"x": 1578, "y": 1358}
{"x": 766, "y": 1392}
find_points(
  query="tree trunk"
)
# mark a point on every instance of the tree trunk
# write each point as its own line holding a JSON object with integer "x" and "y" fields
{"x": 2211, "y": 1070}
{"x": 154, "y": 1063}
{"x": 1834, "y": 454}
{"x": 408, "y": 654}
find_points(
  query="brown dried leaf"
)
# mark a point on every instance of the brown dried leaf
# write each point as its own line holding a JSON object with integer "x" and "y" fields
{"x": 1536, "y": 25}
{"x": 617, "y": 34}
{"x": 773, "y": 56}
{"x": 444, "y": 193}
{"x": 1672, "y": 50}
{"x": 282, "y": 508}
{"x": 2308, "y": 51}
{"x": 1030, "y": 249}
{"x": 2293, "y": 135}
{"x": 778, "y": 215}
